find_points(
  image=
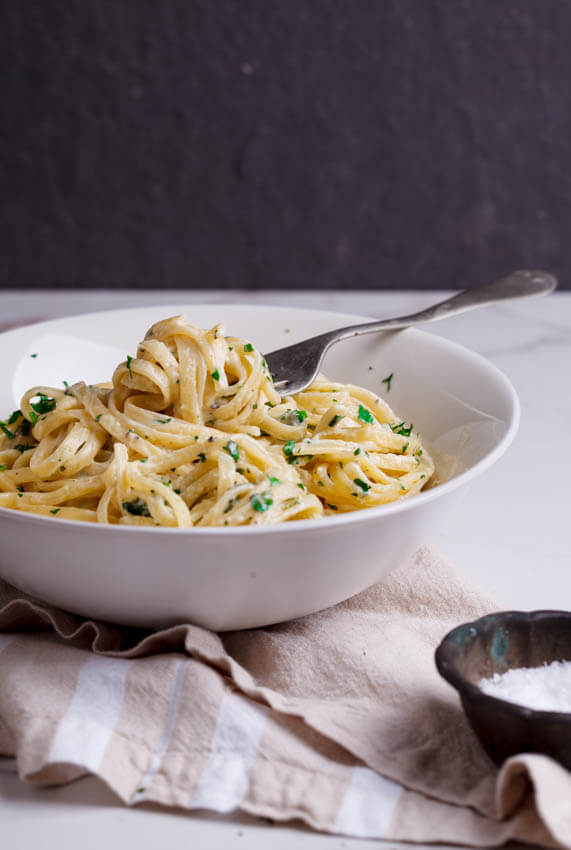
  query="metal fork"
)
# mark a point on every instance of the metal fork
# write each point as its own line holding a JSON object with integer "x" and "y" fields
{"x": 295, "y": 367}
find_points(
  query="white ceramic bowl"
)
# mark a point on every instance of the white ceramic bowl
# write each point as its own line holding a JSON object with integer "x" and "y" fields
{"x": 465, "y": 409}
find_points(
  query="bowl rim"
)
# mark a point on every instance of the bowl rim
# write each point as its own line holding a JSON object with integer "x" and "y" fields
{"x": 444, "y": 658}
{"x": 319, "y": 523}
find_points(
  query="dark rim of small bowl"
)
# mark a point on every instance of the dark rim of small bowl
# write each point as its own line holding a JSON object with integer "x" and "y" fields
{"x": 445, "y": 658}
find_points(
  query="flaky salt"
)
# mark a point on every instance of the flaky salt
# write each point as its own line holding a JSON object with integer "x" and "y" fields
{"x": 546, "y": 688}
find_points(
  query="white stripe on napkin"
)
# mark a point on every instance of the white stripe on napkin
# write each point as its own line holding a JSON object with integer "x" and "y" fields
{"x": 224, "y": 780}
{"x": 157, "y": 757}
{"x": 88, "y": 724}
{"x": 368, "y": 805}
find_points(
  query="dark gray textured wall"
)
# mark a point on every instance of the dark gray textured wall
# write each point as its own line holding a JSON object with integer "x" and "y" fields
{"x": 283, "y": 143}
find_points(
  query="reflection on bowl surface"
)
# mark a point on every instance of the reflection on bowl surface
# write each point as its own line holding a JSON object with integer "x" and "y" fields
{"x": 241, "y": 577}
{"x": 495, "y": 644}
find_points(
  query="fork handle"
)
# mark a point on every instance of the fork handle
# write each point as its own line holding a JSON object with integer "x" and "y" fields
{"x": 518, "y": 284}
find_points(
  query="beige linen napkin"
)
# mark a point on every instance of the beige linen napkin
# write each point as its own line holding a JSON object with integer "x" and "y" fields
{"x": 339, "y": 719}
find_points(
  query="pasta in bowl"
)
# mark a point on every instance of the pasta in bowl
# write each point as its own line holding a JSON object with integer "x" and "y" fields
{"x": 191, "y": 432}
{"x": 249, "y": 523}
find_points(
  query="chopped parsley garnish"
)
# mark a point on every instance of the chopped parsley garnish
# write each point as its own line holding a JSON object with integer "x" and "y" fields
{"x": 230, "y": 504}
{"x": 33, "y": 355}
{"x": 403, "y": 487}
{"x": 301, "y": 486}
{"x": 419, "y": 452}
{"x": 293, "y": 417}
{"x": 232, "y": 448}
{"x": 357, "y": 452}
{"x": 14, "y": 417}
{"x": 269, "y": 404}
{"x": 167, "y": 482}
{"x": 55, "y": 511}
{"x": 402, "y": 429}
{"x": 200, "y": 459}
{"x": 163, "y": 421}
{"x": 273, "y": 480}
{"x": 404, "y": 448}
{"x": 136, "y": 507}
{"x": 262, "y": 502}
{"x": 365, "y": 415}
{"x": 423, "y": 475}
{"x": 23, "y": 447}
{"x": 44, "y": 405}
{"x": 34, "y": 417}
{"x": 3, "y": 467}
{"x": 215, "y": 375}
{"x": 20, "y": 488}
{"x": 129, "y": 361}
{"x": 332, "y": 507}
{"x": 98, "y": 417}
{"x": 62, "y": 468}
{"x": 7, "y": 431}
{"x": 362, "y": 484}
{"x": 288, "y": 448}
{"x": 388, "y": 380}
{"x": 335, "y": 420}
{"x": 248, "y": 347}
{"x": 143, "y": 459}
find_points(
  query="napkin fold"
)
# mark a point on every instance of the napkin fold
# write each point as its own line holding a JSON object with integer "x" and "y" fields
{"x": 339, "y": 718}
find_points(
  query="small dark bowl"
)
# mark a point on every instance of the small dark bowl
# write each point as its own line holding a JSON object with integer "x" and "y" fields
{"x": 493, "y": 644}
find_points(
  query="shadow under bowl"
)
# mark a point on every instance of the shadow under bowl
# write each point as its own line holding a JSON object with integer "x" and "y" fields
{"x": 495, "y": 644}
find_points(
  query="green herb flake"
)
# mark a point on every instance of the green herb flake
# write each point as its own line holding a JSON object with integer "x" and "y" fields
{"x": 335, "y": 420}
{"x": 215, "y": 375}
{"x": 55, "y": 511}
{"x": 248, "y": 347}
{"x": 3, "y": 467}
{"x": 357, "y": 452}
{"x": 14, "y": 417}
{"x": 33, "y": 356}
{"x": 143, "y": 459}
{"x": 98, "y": 417}
{"x": 20, "y": 488}
{"x": 301, "y": 486}
{"x": 164, "y": 421}
{"x": 405, "y": 447}
{"x": 23, "y": 447}
{"x": 62, "y": 468}
{"x": 402, "y": 429}
{"x": 34, "y": 417}
{"x": 273, "y": 480}
{"x": 262, "y": 502}
{"x": 301, "y": 415}
{"x": 332, "y": 507}
{"x": 129, "y": 361}
{"x": 362, "y": 484}
{"x": 136, "y": 507}
{"x": 288, "y": 448}
{"x": 365, "y": 415}
{"x": 232, "y": 448}
{"x": 230, "y": 504}
{"x": 44, "y": 405}
{"x": 419, "y": 452}
{"x": 7, "y": 431}
{"x": 423, "y": 475}
{"x": 387, "y": 381}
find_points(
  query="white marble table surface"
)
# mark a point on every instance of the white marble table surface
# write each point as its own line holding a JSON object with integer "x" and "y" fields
{"x": 510, "y": 533}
